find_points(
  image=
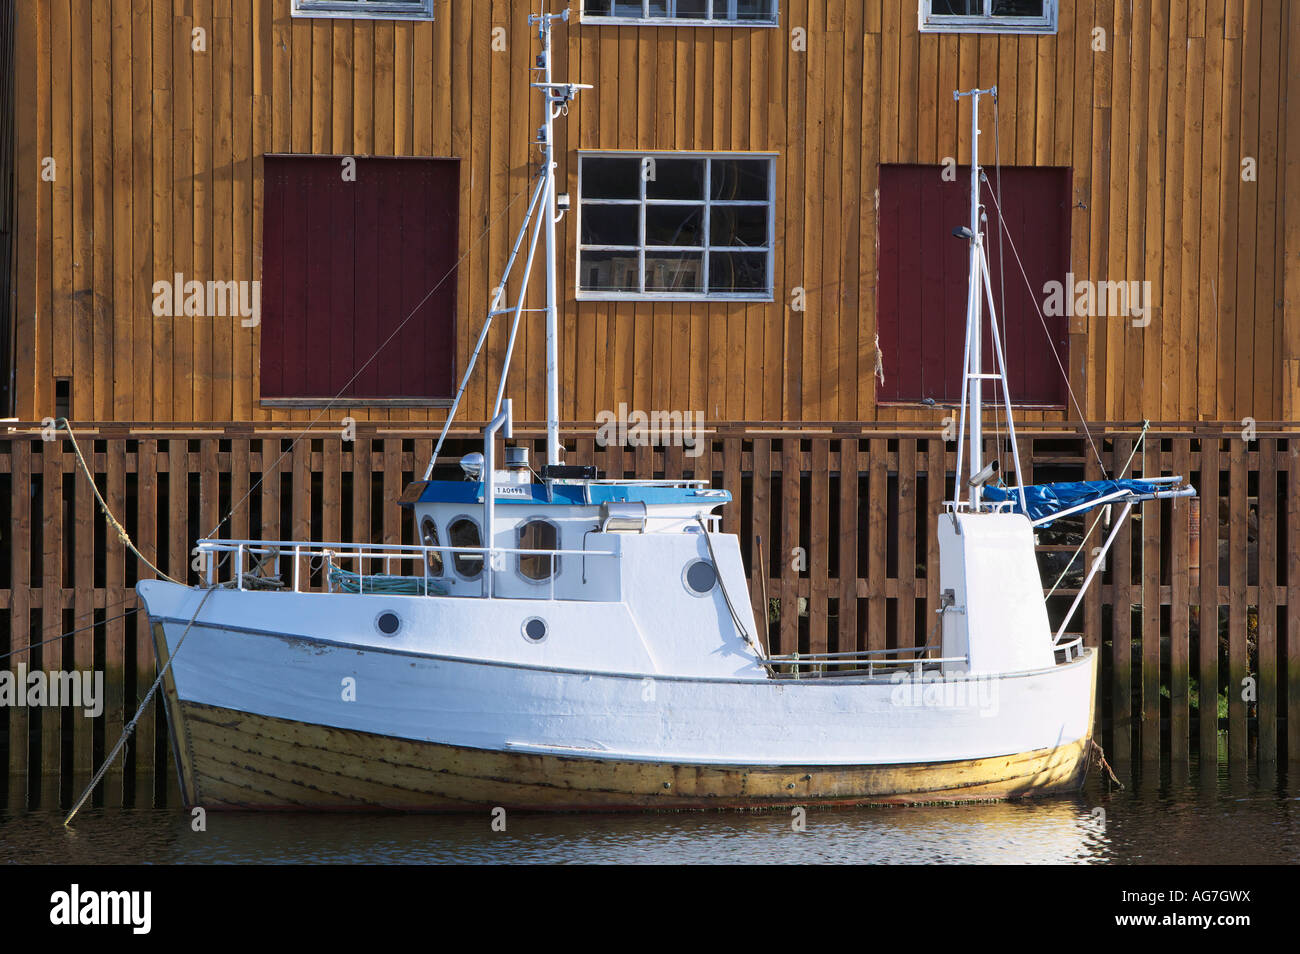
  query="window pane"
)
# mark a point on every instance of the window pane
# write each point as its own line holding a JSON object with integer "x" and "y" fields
{"x": 1017, "y": 8}
{"x": 674, "y": 225}
{"x": 606, "y": 178}
{"x": 957, "y": 8}
{"x": 658, "y": 8}
{"x": 627, "y": 8}
{"x": 611, "y": 224}
{"x": 674, "y": 272}
{"x": 750, "y": 9}
{"x": 738, "y": 225}
{"x": 693, "y": 9}
{"x": 675, "y": 179}
{"x": 738, "y": 272}
{"x": 609, "y": 271}
{"x": 596, "y": 8}
{"x": 464, "y": 533}
{"x": 538, "y": 535}
{"x": 740, "y": 179}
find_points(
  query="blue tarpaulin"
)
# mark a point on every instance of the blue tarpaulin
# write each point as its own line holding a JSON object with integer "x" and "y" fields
{"x": 1044, "y": 500}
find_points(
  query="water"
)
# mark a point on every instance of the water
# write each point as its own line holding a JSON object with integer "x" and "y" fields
{"x": 1179, "y": 816}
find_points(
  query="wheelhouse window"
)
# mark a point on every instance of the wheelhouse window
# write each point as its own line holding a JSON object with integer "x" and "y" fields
{"x": 706, "y": 12}
{"x": 674, "y": 226}
{"x": 988, "y": 16}
{"x": 429, "y": 537}
{"x": 464, "y": 532}
{"x": 538, "y": 535}
{"x": 365, "y": 9}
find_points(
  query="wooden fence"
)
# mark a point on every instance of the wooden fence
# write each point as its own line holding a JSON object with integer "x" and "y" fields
{"x": 840, "y": 524}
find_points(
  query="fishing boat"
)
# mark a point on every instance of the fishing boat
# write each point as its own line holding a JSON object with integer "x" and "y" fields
{"x": 558, "y": 640}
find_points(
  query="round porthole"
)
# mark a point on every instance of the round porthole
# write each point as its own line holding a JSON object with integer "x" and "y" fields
{"x": 388, "y": 623}
{"x": 700, "y": 577}
{"x": 534, "y": 629}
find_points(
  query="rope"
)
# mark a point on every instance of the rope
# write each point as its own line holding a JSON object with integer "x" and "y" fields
{"x": 71, "y": 632}
{"x": 1141, "y": 441}
{"x": 1051, "y": 344}
{"x": 727, "y": 597}
{"x": 130, "y": 726}
{"x": 1098, "y": 755}
{"x": 103, "y": 505}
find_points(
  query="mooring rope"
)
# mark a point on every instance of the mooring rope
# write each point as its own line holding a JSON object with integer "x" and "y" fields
{"x": 1097, "y": 754}
{"x": 71, "y": 632}
{"x": 103, "y": 505}
{"x": 735, "y": 617}
{"x": 130, "y": 726}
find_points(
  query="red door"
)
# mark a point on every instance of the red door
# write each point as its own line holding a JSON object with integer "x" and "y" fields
{"x": 358, "y": 278}
{"x": 923, "y": 269}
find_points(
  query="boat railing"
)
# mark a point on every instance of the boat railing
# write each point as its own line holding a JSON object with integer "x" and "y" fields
{"x": 659, "y": 482}
{"x": 1068, "y": 647}
{"x": 868, "y": 662}
{"x": 248, "y": 556}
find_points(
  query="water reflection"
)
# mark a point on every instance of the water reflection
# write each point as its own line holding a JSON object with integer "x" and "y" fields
{"x": 1181, "y": 814}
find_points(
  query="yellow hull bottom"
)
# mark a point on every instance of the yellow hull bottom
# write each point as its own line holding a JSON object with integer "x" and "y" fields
{"x": 236, "y": 760}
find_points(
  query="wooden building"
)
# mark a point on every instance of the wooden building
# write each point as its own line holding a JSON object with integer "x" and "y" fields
{"x": 787, "y": 269}
{"x": 144, "y": 126}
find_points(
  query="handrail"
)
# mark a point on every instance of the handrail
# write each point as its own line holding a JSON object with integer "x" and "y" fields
{"x": 339, "y": 549}
{"x": 387, "y": 553}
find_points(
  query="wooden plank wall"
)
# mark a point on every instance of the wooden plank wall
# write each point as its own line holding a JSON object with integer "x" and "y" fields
{"x": 1155, "y": 106}
{"x": 861, "y": 504}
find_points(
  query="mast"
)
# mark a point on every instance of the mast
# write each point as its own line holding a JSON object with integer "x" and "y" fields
{"x": 541, "y": 220}
{"x": 979, "y": 291}
{"x": 974, "y": 301}
{"x": 553, "y": 100}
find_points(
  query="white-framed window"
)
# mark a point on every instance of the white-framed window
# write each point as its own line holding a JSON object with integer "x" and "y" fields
{"x": 365, "y": 9}
{"x": 988, "y": 16}
{"x": 463, "y": 532}
{"x": 673, "y": 225}
{"x": 700, "y": 12}
{"x": 538, "y": 533}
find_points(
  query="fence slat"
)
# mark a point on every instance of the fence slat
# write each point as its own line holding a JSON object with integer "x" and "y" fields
{"x": 1122, "y": 627}
{"x": 51, "y": 655}
{"x": 1149, "y": 731}
{"x": 1179, "y": 715}
{"x": 877, "y": 542}
{"x": 20, "y": 599}
{"x": 1293, "y": 604}
{"x": 1237, "y": 665}
{"x": 83, "y": 613}
{"x": 761, "y": 517}
{"x": 115, "y": 661}
{"x": 790, "y": 474}
{"x": 848, "y": 580}
{"x": 1207, "y": 686}
{"x": 1266, "y": 635}
{"x": 144, "y": 742}
{"x": 819, "y": 540}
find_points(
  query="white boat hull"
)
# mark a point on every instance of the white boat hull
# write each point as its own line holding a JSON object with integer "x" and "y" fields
{"x": 325, "y": 713}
